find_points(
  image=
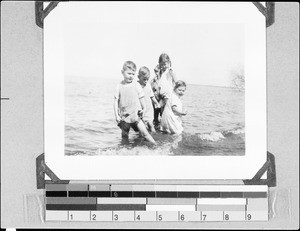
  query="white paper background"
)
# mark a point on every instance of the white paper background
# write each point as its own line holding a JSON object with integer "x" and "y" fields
{"x": 156, "y": 167}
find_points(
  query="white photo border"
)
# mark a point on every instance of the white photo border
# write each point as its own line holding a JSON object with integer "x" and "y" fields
{"x": 157, "y": 167}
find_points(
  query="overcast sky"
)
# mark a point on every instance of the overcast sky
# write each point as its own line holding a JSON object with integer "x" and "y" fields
{"x": 200, "y": 53}
{"x": 99, "y": 39}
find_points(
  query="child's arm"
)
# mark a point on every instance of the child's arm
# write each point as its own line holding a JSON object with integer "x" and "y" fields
{"x": 174, "y": 78}
{"x": 141, "y": 98}
{"x": 153, "y": 98}
{"x": 156, "y": 104}
{"x": 178, "y": 112}
{"x": 142, "y": 101}
{"x": 116, "y": 110}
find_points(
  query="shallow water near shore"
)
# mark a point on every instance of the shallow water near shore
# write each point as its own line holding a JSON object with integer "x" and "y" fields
{"x": 214, "y": 125}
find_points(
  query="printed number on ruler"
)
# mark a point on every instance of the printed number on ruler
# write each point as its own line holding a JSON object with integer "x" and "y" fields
{"x": 182, "y": 217}
{"x": 116, "y": 217}
{"x": 226, "y": 217}
{"x": 248, "y": 217}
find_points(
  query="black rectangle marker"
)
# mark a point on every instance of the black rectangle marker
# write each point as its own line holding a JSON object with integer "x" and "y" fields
{"x": 210, "y": 194}
{"x": 56, "y": 194}
{"x": 166, "y": 194}
{"x": 70, "y": 207}
{"x": 188, "y": 194}
{"x": 78, "y": 193}
{"x": 99, "y": 193}
{"x": 144, "y": 194}
{"x": 121, "y": 194}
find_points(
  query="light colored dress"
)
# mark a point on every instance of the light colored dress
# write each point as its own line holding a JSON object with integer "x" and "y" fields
{"x": 170, "y": 122}
{"x": 165, "y": 86}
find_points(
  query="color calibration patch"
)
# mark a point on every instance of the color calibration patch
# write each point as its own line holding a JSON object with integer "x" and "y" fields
{"x": 103, "y": 202}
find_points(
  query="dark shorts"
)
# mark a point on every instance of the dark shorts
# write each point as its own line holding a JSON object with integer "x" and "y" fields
{"x": 126, "y": 126}
{"x": 157, "y": 114}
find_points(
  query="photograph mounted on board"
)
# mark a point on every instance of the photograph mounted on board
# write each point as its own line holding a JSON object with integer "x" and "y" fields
{"x": 153, "y": 85}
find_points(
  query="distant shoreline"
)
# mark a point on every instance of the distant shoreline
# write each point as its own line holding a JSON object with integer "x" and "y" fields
{"x": 195, "y": 84}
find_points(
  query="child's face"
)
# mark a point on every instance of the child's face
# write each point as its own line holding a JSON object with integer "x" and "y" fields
{"x": 180, "y": 91}
{"x": 164, "y": 66}
{"x": 128, "y": 75}
{"x": 144, "y": 79}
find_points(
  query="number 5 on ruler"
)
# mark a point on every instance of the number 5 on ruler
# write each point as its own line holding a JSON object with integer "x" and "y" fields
{"x": 159, "y": 217}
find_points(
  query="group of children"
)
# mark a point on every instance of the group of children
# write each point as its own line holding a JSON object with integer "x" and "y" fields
{"x": 144, "y": 106}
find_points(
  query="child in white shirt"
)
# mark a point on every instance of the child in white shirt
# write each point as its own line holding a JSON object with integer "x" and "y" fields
{"x": 129, "y": 103}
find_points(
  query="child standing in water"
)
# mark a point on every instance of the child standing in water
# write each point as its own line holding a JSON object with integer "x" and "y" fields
{"x": 163, "y": 84}
{"x": 129, "y": 103}
{"x": 171, "y": 118}
{"x": 144, "y": 75}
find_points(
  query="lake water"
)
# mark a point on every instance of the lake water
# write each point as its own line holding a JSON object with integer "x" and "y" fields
{"x": 214, "y": 125}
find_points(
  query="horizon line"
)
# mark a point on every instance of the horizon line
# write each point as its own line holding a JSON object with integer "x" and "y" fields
{"x": 206, "y": 85}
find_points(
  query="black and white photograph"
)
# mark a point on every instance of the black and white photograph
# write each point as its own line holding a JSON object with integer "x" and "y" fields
{"x": 153, "y": 84}
{"x": 191, "y": 98}
{"x": 129, "y": 115}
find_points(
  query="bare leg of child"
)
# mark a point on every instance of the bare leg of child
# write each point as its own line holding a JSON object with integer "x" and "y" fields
{"x": 156, "y": 116}
{"x": 124, "y": 134}
{"x": 125, "y": 129}
{"x": 151, "y": 126}
{"x": 143, "y": 130}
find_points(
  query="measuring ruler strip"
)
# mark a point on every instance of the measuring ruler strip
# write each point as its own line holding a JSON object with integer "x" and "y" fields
{"x": 99, "y": 202}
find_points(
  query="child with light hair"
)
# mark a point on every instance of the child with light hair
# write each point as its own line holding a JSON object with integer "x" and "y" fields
{"x": 129, "y": 103}
{"x": 171, "y": 118}
{"x": 143, "y": 76}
